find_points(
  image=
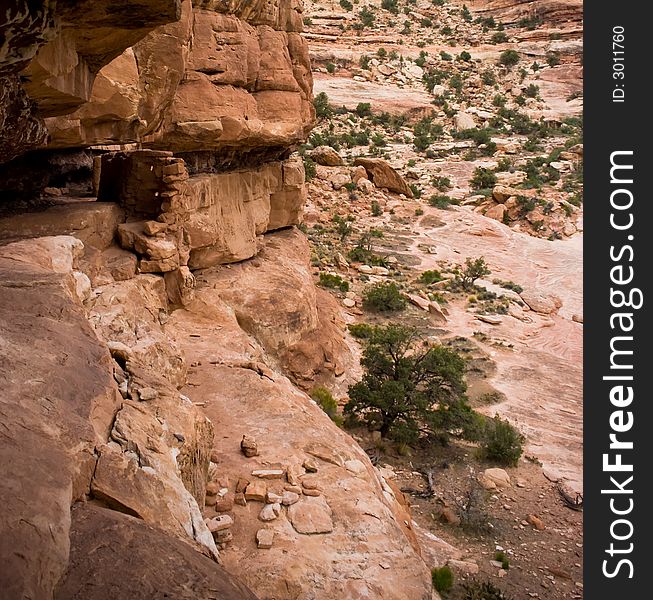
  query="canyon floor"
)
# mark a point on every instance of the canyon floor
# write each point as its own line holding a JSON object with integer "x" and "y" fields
{"x": 376, "y": 80}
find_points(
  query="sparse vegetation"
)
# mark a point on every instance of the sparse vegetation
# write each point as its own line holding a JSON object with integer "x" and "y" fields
{"x": 431, "y": 276}
{"x": 442, "y": 579}
{"x": 477, "y": 590}
{"x": 483, "y": 179}
{"x": 329, "y": 280}
{"x": 384, "y": 297}
{"x": 501, "y": 442}
{"x": 509, "y": 58}
{"x": 474, "y": 269}
{"x": 410, "y": 388}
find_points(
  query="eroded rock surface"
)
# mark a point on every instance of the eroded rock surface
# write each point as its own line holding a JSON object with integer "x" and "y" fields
{"x": 150, "y": 564}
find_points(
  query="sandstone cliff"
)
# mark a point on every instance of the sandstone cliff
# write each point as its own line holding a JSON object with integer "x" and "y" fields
{"x": 151, "y": 141}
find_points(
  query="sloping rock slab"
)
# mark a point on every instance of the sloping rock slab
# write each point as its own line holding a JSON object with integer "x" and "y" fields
{"x": 117, "y": 557}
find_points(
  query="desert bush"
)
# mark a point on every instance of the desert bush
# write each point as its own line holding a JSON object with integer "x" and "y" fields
{"x": 483, "y": 179}
{"x": 410, "y": 387}
{"x": 501, "y": 442}
{"x": 442, "y": 579}
{"x": 431, "y": 276}
{"x": 477, "y": 590}
{"x": 384, "y": 297}
{"x": 509, "y": 58}
{"x": 331, "y": 281}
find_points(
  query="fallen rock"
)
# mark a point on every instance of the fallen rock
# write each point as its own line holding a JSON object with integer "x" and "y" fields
{"x": 463, "y": 121}
{"x": 269, "y": 473}
{"x": 542, "y": 303}
{"x": 311, "y": 516}
{"x": 418, "y": 301}
{"x": 219, "y": 523}
{"x": 355, "y": 466}
{"x": 264, "y": 539}
{"x": 256, "y": 491}
{"x": 496, "y": 212}
{"x": 150, "y": 563}
{"x": 270, "y": 512}
{"x": 326, "y": 156}
{"x": 289, "y": 498}
{"x": 248, "y": 446}
{"x": 448, "y": 515}
{"x": 436, "y": 312}
{"x": 501, "y": 193}
{"x": 494, "y": 478}
{"x": 536, "y": 522}
{"x": 491, "y": 319}
{"x": 383, "y": 175}
{"x": 463, "y": 566}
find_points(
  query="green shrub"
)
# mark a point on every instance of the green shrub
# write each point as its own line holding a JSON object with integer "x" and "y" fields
{"x": 361, "y": 331}
{"x": 327, "y": 403}
{"x": 499, "y": 100}
{"x": 499, "y": 37}
{"x": 441, "y": 201}
{"x": 488, "y": 78}
{"x": 441, "y": 183}
{"x": 366, "y": 17}
{"x": 376, "y": 209}
{"x": 328, "y": 280}
{"x": 509, "y": 58}
{"x": 530, "y": 22}
{"x": 483, "y": 179}
{"x": 456, "y": 83}
{"x": 473, "y": 270}
{"x": 501, "y": 442}
{"x": 476, "y": 590}
{"x": 487, "y": 22}
{"x": 552, "y": 59}
{"x": 465, "y": 56}
{"x": 404, "y": 378}
{"x": 382, "y": 52}
{"x": 417, "y": 192}
{"x": 466, "y": 14}
{"x": 331, "y": 68}
{"x": 364, "y": 62}
{"x": 445, "y": 55}
{"x": 384, "y": 297}
{"x": 480, "y": 137}
{"x": 509, "y": 285}
{"x": 364, "y": 109}
{"x": 390, "y": 6}
{"x": 346, "y": 5}
{"x": 532, "y": 91}
{"x": 501, "y": 557}
{"x": 322, "y": 108}
{"x": 310, "y": 168}
{"x": 442, "y": 579}
{"x": 430, "y": 276}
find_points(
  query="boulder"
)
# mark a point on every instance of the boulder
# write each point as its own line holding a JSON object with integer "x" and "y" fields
{"x": 463, "y": 121}
{"x": 541, "y": 302}
{"x": 496, "y": 212}
{"x": 383, "y": 175}
{"x": 494, "y": 478}
{"x": 150, "y": 563}
{"x": 501, "y": 193}
{"x": 326, "y": 156}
